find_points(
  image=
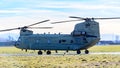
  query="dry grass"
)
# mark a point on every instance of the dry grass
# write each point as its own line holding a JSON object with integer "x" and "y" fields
{"x": 60, "y": 61}
{"x": 77, "y": 61}
{"x": 106, "y": 48}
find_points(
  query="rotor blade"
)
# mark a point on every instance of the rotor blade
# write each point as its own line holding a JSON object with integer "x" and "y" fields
{"x": 108, "y": 18}
{"x": 40, "y": 27}
{"x": 94, "y": 18}
{"x": 76, "y": 17}
{"x": 26, "y": 26}
{"x": 9, "y": 29}
{"x": 64, "y": 21}
{"x": 37, "y": 23}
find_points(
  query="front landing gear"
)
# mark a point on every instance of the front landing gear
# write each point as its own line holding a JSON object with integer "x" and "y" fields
{"x": 79, "y": 52}
{"x": 48, "y": 52}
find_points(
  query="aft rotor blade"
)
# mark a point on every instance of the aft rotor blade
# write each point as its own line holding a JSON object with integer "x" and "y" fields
{"x": 64, "y": 21}
{"x": 40, "y": 27}
{"x": 94, "y": 18}
{"x": 9, "y": 29}
{"x": 108, "y": 18}
{"x": 38, "y": 23}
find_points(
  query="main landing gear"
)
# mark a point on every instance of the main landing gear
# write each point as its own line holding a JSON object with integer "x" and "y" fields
{"x": 86, "y": 52}
{"x": 40, "y": 52}
{"x": 79, "y": 52}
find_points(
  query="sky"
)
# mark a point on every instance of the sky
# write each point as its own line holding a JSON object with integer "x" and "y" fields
{"x": 17, "y": 13}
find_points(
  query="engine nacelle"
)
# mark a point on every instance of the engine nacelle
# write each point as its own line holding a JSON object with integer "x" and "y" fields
{"x": 86, "y": 28}
{"x": 26, "y": 32}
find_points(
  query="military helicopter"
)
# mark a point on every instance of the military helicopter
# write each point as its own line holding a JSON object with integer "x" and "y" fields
{"x": 84, "y": 36}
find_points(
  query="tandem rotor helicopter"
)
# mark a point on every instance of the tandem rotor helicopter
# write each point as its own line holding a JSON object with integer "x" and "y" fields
{"x": 84, "y": 36}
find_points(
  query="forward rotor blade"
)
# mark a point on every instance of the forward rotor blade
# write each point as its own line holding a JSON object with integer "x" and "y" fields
{"x": 9, "y": 29}
{"x": 40, "y": 27}
{"x": 37, "y": 23}
{"x": 76, "y": 17}
{"x": 64, "y": 21}
{"x": 28, "y": 26}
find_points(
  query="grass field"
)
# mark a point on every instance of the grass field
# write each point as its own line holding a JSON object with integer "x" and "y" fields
{"x": 77, "y": 61}
{"x": 112, "y": 48}
{"x": 60, "y": 61}
{"x": 106, "y": 48}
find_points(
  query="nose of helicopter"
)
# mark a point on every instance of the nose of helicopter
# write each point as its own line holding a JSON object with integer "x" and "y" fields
{"x": 16, "y": 44}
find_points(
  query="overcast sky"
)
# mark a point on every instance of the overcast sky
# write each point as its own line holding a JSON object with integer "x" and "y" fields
{"x": 16, "y": 13}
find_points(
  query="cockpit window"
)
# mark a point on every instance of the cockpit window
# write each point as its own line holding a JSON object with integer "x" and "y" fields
{"x": 19, "y": 39}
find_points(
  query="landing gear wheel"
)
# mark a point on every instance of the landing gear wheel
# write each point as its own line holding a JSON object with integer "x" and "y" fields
{"x": 39, "y": 52}
{"x": 48, "y": 52}
{"x": 67, "y": 51}
{"x": 78, "y": 51}
{"x": 86, "y": 52}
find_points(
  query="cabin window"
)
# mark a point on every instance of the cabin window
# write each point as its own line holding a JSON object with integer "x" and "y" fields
{"x": 59, "y": 41}
{"x": 63, "y": 40}
{"x": 83, "y": 33}
{"x": 71, "y": 41}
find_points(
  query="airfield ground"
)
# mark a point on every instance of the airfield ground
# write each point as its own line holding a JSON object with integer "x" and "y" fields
{"x": 60, "y": 60}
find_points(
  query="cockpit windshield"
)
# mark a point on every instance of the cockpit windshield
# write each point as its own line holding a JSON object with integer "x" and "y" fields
{"x": 19, "y": 39}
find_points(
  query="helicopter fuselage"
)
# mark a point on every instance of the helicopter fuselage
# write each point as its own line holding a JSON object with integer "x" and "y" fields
{"x": 83, "y": 36}
{"x": 56, "y": 42}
